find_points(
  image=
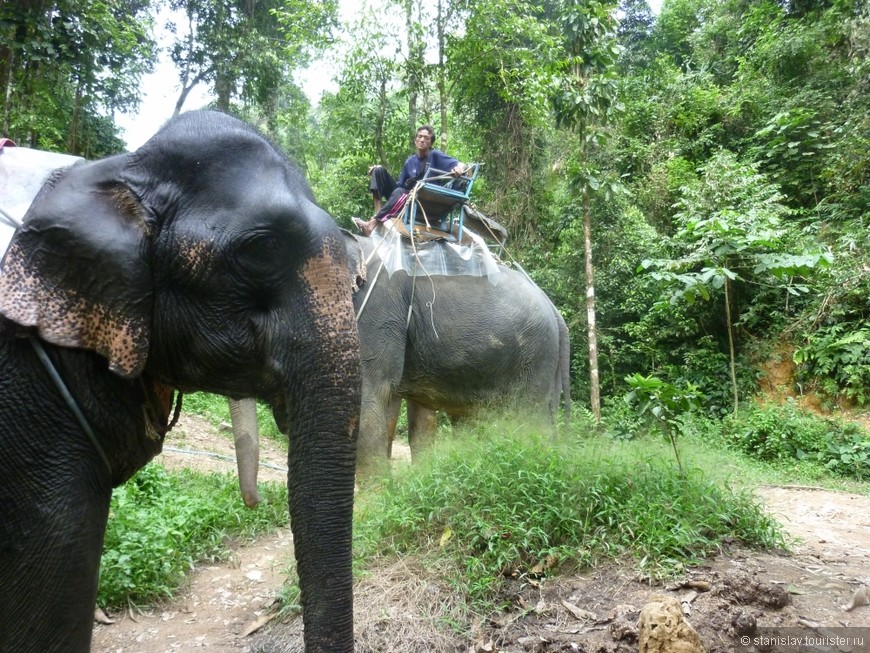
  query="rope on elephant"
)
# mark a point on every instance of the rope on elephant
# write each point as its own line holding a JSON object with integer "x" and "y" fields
{"x": 385, "y": 241}
{"x": 369, "y": 291}
{"x": 430, "y": 304}
{"x": 220, "y": 456}
{"x": 492, "y": 233}
{"x": 371, "y": 286}
{"x": 412, "y": 196}
{"x": 513, "y": 260}
{"x": 520, "y": 268}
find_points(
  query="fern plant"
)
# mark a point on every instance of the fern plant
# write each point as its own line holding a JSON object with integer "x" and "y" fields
{"x": 837, "y": 360}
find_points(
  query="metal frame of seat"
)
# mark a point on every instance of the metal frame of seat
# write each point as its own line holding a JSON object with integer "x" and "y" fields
{"x": 442, "y": 205}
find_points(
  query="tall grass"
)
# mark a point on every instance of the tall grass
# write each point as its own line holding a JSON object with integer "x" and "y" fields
{"x": 494, "y": 506}
{"x": 492, "y": 503}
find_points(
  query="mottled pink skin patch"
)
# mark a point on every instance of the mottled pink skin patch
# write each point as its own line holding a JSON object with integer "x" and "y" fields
{"x": 196, "y": 255}
{"x": 64, "y": 318}
{"x": 332, "y": 307}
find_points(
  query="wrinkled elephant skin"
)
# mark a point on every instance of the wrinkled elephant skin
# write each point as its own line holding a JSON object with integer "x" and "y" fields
{"x": 198, "y": 262}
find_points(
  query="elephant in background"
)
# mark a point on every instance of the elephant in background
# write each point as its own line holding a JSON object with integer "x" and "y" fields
{"x": 149, "y": 273}
{"x": 455, "y": 344}
{"x": 467, "y": 343}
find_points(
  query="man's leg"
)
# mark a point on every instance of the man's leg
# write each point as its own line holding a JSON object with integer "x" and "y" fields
{"x": 386, "y": 212}
{"x": 381, "y": 184}
{"x": 388, "y": 208}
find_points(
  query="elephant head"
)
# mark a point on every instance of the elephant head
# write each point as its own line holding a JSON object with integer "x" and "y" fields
{"x": 243, "y": 412}
{"x": 198, "y": 262}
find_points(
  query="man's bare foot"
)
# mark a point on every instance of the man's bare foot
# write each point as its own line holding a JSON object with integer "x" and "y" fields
{"x": 365, "y": 228}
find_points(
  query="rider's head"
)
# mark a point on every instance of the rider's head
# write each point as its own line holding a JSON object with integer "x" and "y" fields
{"x": 425, "y": 130}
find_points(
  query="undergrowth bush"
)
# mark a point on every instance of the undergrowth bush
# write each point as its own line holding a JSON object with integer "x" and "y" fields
{"x": 836, "y": 362}
{"x": 620, "y": 421}
{"x": 514, "y": 506}
{"x": 781, "y": 433}
{"x": 161, "y": 522}
{"x": 774, "y": 433}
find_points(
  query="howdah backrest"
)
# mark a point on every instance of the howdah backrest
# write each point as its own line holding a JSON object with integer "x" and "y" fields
{"x": 439, "y": 197}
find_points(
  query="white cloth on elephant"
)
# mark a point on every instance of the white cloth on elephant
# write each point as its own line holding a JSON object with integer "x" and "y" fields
{"x": 23, "y": 171}
{"x": 438, "y": 257}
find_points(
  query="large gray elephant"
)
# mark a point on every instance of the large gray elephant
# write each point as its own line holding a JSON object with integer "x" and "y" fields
{"x": 451, "y": 343}
{"x": 198, "y": 262}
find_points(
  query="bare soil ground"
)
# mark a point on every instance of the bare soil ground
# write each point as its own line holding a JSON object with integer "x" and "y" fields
{"x": 227, "y": 607}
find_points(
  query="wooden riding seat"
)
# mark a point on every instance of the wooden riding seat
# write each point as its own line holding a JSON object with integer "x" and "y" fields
{"x": 439, "y": 201}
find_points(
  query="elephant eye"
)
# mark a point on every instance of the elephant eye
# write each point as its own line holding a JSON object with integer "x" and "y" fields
{"x": 261, "y": 244}
{"x": 257, "y": 264}
{"x": 257, "y": 254}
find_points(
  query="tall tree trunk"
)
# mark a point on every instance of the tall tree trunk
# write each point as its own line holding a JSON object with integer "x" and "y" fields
{"x": 72, "y": 136}
{"x": 186, "y": 87}
{"x": 594, "y": 384}
{"x": 223, "y": 88}
{"x": 731, "y": 344}
{"x": 8, "y": 66}
{"x": 185, "y": 91}
{"x": 442, "y": 78}
{"x": 382, "y": 116}
{"x": 412, "y": 76}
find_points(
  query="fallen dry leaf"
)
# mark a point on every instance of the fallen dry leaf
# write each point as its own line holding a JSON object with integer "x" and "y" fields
{"x": 548, "y": 563}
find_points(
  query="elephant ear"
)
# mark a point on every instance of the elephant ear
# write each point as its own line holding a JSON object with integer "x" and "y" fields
{"x": 77, "y": 269}
{"x": 356, "y": 264}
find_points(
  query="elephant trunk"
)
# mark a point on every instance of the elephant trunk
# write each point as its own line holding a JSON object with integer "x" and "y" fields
{"x": 243, "y": 413}
{"x": 321, "y": 414}
{"x": 321, "y": 475}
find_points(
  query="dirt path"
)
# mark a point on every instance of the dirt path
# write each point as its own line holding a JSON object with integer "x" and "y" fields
{"x": 833, "y": 526}
{"x": 224, "y": 602}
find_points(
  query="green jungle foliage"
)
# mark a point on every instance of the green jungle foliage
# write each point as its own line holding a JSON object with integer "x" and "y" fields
{"x": 715, "y": 150}
{"x": 836, "y": 361}
{"x": 784, "y": 433}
